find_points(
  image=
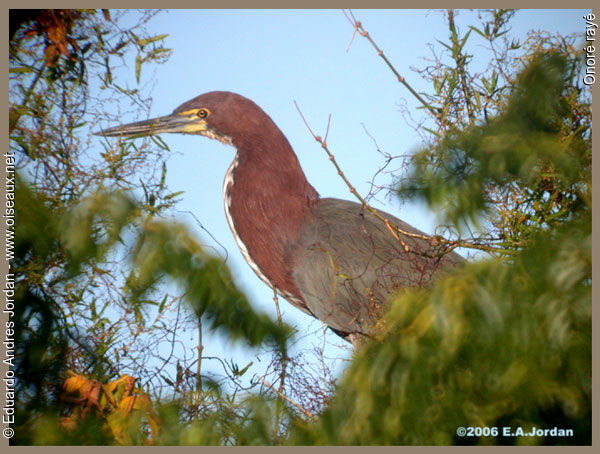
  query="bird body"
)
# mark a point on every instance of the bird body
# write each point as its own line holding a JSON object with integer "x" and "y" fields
{"x": 331, "y": 258}
{"x": 348, "y": 264}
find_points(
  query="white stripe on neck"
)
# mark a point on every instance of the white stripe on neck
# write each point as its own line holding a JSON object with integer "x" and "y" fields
{"x": 227, "y": 185}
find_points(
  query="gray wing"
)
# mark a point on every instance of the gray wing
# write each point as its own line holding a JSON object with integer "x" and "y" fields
{"x": 348, "y": 264}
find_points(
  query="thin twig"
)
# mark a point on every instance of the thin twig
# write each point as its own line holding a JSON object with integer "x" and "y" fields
{"x": 276, "y": 299}
{"x": 283, "y": 396}
{"x": 207, "y": 231}
{"x": 200, "y": 350}
{"x": 360, "y": 29}
{"x": 436, "y": 239}
{"x": 284, "y": 358}
{"x": 388, "y": 159}
{"x": 327, "y": 129}
{"x": 460, "y": 60}
{"x": 284, "y": 361}
{"x": 15, "y": 118}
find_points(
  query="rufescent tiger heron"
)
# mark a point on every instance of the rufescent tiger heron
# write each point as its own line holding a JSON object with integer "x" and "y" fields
{"x": 330, "y": 258}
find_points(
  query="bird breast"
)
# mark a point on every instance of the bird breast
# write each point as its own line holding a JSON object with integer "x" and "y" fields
{"x": 228, "y": 184}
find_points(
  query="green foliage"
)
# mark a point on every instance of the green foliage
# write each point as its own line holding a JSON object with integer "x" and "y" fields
{"x": 500, "y": 342}
{"x": 248, "y": 422}
{"x": 92, "y": 264}
{"x": 69, "y": 313}
{"x": 496, "y": 344}
{"x": 522, "y": 144}
{"x": 161, "y": 249}
{"x": 167, "y": 248}
{"x": 47, "y": 431}
{"x": 41, "y": 343}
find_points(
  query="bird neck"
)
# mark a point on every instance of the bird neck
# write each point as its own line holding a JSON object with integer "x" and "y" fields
{"x": 267, "y": 201}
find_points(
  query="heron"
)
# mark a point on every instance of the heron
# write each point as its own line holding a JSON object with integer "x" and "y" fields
{"x": 332, "y": 259}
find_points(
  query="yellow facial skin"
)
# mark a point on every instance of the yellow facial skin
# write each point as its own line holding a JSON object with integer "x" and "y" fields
{"x": 197, "y": 123}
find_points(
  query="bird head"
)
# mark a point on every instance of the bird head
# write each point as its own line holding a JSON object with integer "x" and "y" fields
{"x": 219, "y": 115}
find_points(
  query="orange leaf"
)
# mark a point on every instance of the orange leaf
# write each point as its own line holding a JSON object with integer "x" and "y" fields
{"x": 75, "y": 383}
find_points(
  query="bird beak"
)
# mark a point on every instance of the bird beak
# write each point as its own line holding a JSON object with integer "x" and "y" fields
{"x": 183, "y": 123}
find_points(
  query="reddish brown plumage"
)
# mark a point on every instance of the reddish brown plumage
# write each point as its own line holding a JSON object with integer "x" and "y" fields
{"x": 331, "y": 258}
{"x": 270, "y": 197}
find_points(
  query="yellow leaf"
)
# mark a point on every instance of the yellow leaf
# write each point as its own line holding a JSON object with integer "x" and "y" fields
{"x": 75, "y": 383}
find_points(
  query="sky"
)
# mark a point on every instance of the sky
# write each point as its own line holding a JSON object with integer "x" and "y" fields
{"x": 278, "y": 57}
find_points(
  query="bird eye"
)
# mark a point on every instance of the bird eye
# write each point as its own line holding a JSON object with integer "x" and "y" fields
{"x": 202, "y": 113}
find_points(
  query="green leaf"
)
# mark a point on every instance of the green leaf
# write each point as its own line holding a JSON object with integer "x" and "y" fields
{"x": 167, "y": 380}
{"x": 163, "y": 175}
{"x": 479, "y": 32}
{"x": 152, "y": 39}
{"x": 138, "y": 68}
{"x": 445, "y": 45}
{"x": 464, "y": 41}
{"x": 162, "y": 304}
{"x": 175, "y": 194}
{"x": 21, "y": 69}
{"x": 239, "y": 373}
{"x": 161, "y": 143}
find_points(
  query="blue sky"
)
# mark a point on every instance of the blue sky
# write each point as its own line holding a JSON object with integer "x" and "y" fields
{"x": 278, "y": 57}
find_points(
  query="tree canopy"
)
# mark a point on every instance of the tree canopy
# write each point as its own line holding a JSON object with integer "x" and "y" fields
{"x": 504, "y": 341}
